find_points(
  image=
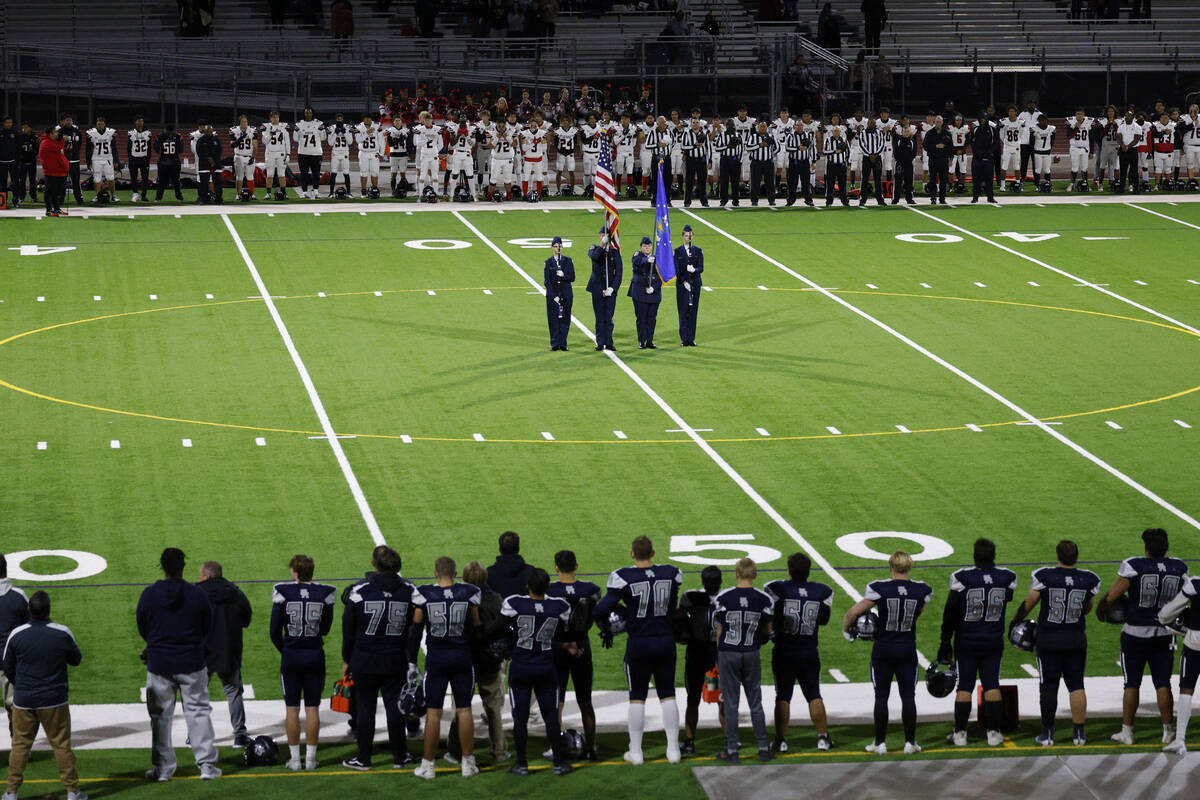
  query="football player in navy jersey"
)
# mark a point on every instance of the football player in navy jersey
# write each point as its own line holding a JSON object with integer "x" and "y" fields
{"x": 1151, "y": 581}
{"x": 573, "y": 663}
{"x": 1189, "y": 660}
{"x": 743, "y": 620}
{"x": 376, "y": 628}
{"x": 973, "y": 635}
{"x": 694, "y": 628}
{"x": 1066, "y": 594}
{"x": 801, "y": 608}
{"x": 538, "y": 622}
{"x": 448, "y": 610}
{"x": 650, "y": 593}
{"x": 900, "y": 601}
{"x": 301, "y": 616}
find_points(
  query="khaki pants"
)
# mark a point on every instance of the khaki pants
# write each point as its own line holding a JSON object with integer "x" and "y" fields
{"x": 56, "y": 722}
{"x": 6, "y": 692}
{"x": 491, "y": 692}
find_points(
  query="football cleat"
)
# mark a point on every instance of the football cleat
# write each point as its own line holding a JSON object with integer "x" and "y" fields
{"x": 824, "y": 742}
{"x": 1168, "y": 734}
{"x": 469, "y": 768}
{"x": 1178, "y": 747}
{"x": 209, "y": 772}
{"x": 1079, "y": 741}
{"x": 957, "y": 738}
{"x": 879, "y": 749}
{"x": 633, "y": 758}
{"x": 1117, "y": 611}
{"x": 261, "y": 752}
{"x": 425, "y": 771}
{"x": 940, "y": 680}
{"x": 780, "y": 745}
{"x": 563, "y": 769}
{"x": 1122, "y": 737}
{"x": 295, "y": 764}
{"x": 1023, "y": 635}
{"x": 995, "y": 738}
{"x": 673, "y": 755}
{"x": 1044, "y": 740}
{"x": 519, "y": 769}
{"x": 356, "y": 764}
{"x": 911, "y": 748}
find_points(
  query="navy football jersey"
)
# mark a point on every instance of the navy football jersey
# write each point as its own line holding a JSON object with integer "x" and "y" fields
{"x": 583, "y": 596}
{"x": 899, "y": 603}
{"x": 301, "y": 615}
{"x": 536, "y": 623}
{"x": 743, "y": 613}
{"x": 1065, "y": 591}
{"x": 446, "y": 611}
{"x": 650, "y": 594}
{"x": 986, "y": 593}
{"x": 1152, "y": 582}
{"x": 798, "y": 612}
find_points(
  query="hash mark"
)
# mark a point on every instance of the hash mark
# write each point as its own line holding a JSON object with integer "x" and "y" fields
{"x": 478, "y": 437}
{"x": 1183, "y": 424}
{"x": 903, "y": 429}
{"x": 762, "y": 431}
{"x": 41, "y": 445}
{"x": 1113, "y": 425}
{"x": 620, "y": 434}
{"x": 833, "y": 430}
{"x": 974, "y": 428}
{"x": 549, "y": 437}
{"x": 115, "y": 444}
{"x": 187, "y": 442}
{"x": 260, "y": 441}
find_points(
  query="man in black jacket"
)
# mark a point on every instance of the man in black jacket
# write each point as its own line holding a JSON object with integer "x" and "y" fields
{"x": 208, "y": 165}
{"x": 231, "y": 615}
{"x": 510, "y": 573}
{"x": 174, "y": 617}
{"x": 74, "y": 140}
{"x": 14, "y": 612}
{"x": 982, "y": 140}
{"x": 36, "y": 657}
{"x": 10, "y": 147}
{"x": 940, "y": 147}
{"x": 693, "y": 626}
{"x": 27, "y": 177}
{"x": 168, "y": 145}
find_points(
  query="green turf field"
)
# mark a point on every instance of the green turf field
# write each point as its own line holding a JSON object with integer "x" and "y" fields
{"x": 809, "y": 419}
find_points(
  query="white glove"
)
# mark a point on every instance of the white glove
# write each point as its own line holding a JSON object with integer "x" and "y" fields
{"x": 608, "y": 292}
{"x": 649, "y": 290}
{"x": 849, "y": 636}
{"x": 559, "y": 273}
{"x": 558, "y": 299}
{"x": 650, "y": 258}
{"x": 413, "y": 672}
{"x": 603, "y": 239}
{"x": 687, "y": 286}
{"x": 691, "y": 268}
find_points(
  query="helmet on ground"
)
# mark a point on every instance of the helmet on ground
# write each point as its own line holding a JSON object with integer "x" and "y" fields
{"x": 261, "y": 752}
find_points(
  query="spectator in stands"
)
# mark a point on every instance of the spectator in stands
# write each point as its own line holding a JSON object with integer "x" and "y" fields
{"x": 36, "y": 657}
{"x": 799, "y": 78}
{"x": 829, "y": 30}
{"x": 713, "y": 29}
{"x": 341, "y": 21}
{"x": 874, "y": 18}
{"x": 14, "y": 612}
{"x": 488, "y": 675}
{"x": 884, "y": 82}
{"x": 510, "y": 573}
{"x": 549, "y": 15}
{"x": 175, "y": 618}
{"x": 54, "y": 168}
{"x": 223, "y": 648}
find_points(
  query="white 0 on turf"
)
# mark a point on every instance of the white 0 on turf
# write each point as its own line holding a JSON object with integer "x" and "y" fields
{"x": 319, "y": 407}
{"x": 1104, "y": 465}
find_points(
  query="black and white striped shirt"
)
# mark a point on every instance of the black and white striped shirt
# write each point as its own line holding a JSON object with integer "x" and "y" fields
{"x": 796, "y": 140}
{"x": 659, "y": 142}
{"x": 871, "y": 142}
{"x": 761, "y": 146}
{"x": 728, "y": 144}
{"x": 692, "y": 143}
{"x": 835, "y": 148}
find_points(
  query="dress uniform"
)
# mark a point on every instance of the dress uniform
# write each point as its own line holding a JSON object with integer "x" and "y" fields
{"x": 645, "y": 287}
{"x": 559, "y": 274}
{"x": 603, "y": 285}
{"x": 689, "y": 263}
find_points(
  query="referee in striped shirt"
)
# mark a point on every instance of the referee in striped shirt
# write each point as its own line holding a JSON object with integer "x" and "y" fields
{"x": 836, "y": 150}
{"x": 659, "y": 140}
{"x": 802, "y": 153}
{"x": 762, "y": 147}
{"x": 870, "y": 140}
{"x": 693, "y": 140}
{"x": 727, "y": 147}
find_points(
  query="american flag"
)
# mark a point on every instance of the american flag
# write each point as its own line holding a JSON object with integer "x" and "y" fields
{"x": 606, "y": 193}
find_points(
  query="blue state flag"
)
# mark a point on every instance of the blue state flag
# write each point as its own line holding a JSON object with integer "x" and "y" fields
{"x": 664, "y": 254}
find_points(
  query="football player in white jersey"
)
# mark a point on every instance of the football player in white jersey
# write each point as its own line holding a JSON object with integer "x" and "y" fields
{"x": 853, "y": 125}
{"x": 483, "y": 148}
{"x": 428, "y": 142}
{"x": 535, "y": 144}
{"x": 1107, "y": 159}
{"x": 369, "y": 138}
{"x": 625, "y": 139}
{"x": 1080, "y": 128}
{"x": 565, "y": 137}
{"x": 101, "y": 150}
{"x": 676, "y": 127}
{"x": 1042, "y": 140}
{"x": 310, "y": 150}
{"x": 884, "y": 124}
{"x": 742, "y": 125}
{"x": 921, "y": 170}
{"x": 138, "y": 146}
{"x": 396, "y": 136}
{"x": 504, "y": 151}
{"x": 460, "y": 161}
{"x": 960, "y": 165}
{"x": 278, "y": 145}
{"x": 340, "y": 137}
{"x": 590, "y": 132}
{"x": 1163, "y": 133}
{"x": 241, "y": 136}
{"x": 1190, "y": 122}
{"x": 1012, "y": 135}
{"x": 645, "y": 154}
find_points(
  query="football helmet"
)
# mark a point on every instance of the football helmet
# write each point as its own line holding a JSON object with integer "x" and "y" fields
{"x": 941, "y": 678}
{"x": 462, "y": 194}
{"x": 1083, "y": 186}
{"x": 281, "y": 194}
{"x": 573, "y": 745}
{"x": 589, "y": 192}
{"x": 1118, "y": 611}
{"x": 1193, "y": 185}
{"x": 501, "y": 649}
{"x": 497, "y": 196}
{"x": 340, "y": 192}
{"x": 567, "y": 190}
{"x": 532, "y": 197}
{"x": 1023, "y": 635}
{"x": 246, "y": 196}
{"x": 412, "y": 697}
{"x": 261, "y": 752}
{"x": 429, "y": 195}
{"x": 631, "y": 192}
{"x": 373, "y": 192}
{"x": 515, "y": 191}
{"x": 1045, "y": 187}
{"x": 865, "y": 626}
{"x": 102, "y": 197}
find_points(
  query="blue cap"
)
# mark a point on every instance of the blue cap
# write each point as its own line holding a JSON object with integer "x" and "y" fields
{"x": 556, "y": 240}
{"x": 687, "y": 228}
{"x": 604, "y": 230}
{"x": 646, "y": 240}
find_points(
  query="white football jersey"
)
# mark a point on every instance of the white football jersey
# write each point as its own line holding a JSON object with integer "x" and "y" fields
{"x": 743, "y": 127}
{"x": 427, "y": 141}
{"x": 339, "y": 140}
{"x": 1081, "y": 132}
{"x": 854, "y": 125}
{"x": 591, "y": 139}
{"x": 504, "y": 145}
{"x": 461, "y": 141}
{"x": 139, "y": 143}
{"x": 536, "y": 143}
{"x": 277, "y": 139}
{"x": 308, "y": 137}
{"x": 104, "y": 143}
{"x": 369, "y": 141}
{"x": 1012, "y": 132}
{"x": 242, "y": 140}
{"x": 195, "y": 138}
{"x": 1165, "y": 134}
{"x": 959, "y": 135}
{"x": 885, "y": 127}
{"x": 1043, "y": 138}
{"x": 625, "y": 139}
{"x": 1029, "y": 118}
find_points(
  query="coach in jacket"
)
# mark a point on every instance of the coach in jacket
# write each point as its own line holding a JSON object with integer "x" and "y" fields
{"x": 14, "y": 612}
{"x": 231, "y": 615}
{"x": 940, "y": 147}
{"x": 36, "y": 657}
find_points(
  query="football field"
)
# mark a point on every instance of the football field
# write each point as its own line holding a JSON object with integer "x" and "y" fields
{"x": 253, "y": 385}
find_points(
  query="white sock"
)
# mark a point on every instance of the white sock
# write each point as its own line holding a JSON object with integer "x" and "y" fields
{"x": 1183, "y": 712}
{"x": 637, "y": 725}
{"x": 1127, "y": 730}
{"x": 310, "y": 752}
{"x": 295, "y": 750}
{"x": 670, "y": 713}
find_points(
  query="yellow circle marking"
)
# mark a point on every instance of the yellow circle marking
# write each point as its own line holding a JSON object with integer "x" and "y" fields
{"x": 683, "y": 440}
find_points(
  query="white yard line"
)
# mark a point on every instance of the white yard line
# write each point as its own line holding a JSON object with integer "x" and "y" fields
{"x": 1098, "y": 287}
{"x": 1164, "y": 216}
{"x": 682, "y": 424}
{"x": 331, "y": 435}
{"x": 990, "y": 392}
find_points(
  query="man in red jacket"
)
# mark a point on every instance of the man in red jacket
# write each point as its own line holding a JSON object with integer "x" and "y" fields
{"x": 54, "y": 166}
